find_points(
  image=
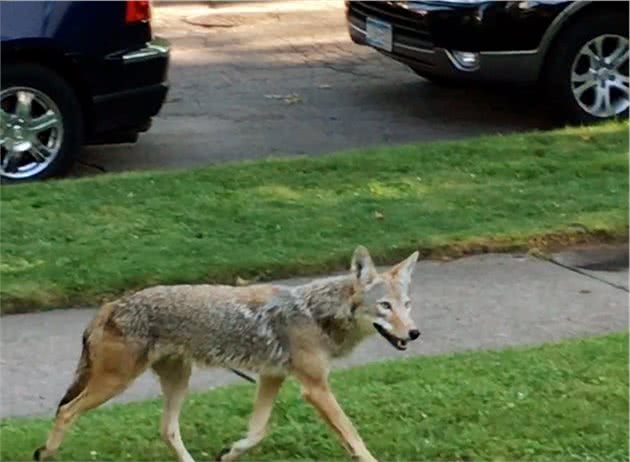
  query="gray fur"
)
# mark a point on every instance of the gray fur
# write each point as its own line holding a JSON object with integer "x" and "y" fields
{"x": 201, "y": 323}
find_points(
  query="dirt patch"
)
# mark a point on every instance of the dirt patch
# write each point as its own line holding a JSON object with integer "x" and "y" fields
{"x": 595, "y": 258}
{"x": 545, "y": 244}
{"x": 213, "y": 20}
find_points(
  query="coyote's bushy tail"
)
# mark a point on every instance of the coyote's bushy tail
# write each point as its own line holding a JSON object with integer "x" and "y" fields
{"x": 81, "y": 375}
{"x": 109, "y": 362}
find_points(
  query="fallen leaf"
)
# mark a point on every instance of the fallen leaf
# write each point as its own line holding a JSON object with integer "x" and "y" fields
{"x": 242, "y": 282}
{"x": 292, "y": 99}
{"x": 378, "y": 215}
{"x": 536, "y": 252}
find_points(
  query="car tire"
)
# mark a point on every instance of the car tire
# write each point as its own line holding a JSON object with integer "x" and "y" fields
{"x": 51, "y": 94}
{"x": 573, "y": 93}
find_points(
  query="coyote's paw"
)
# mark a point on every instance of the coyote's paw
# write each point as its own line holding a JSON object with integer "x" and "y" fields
{"x": 222, "y": 453}
{"x": 40, "y": 453}
{"x": 37, "y": 455}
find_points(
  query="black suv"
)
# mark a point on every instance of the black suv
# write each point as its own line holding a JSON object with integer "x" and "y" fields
{"x": 75, "y": 72}
{"x": 577, "y": 50}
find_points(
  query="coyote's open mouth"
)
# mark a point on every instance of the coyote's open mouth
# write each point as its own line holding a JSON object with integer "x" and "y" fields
{"x": 397, "y": 343}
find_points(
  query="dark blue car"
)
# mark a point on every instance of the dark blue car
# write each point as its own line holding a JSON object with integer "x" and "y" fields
{"x": 75, "y": 72}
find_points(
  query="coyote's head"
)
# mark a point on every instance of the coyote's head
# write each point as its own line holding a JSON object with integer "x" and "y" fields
{"x": 382, "y": 300}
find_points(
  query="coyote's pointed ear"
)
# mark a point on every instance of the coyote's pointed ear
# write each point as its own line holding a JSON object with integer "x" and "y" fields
{"x": 403, "y": 270}
{"x": 362, "y": 266}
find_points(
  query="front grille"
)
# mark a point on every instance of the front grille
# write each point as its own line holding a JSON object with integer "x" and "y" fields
{"x": 408, "y": 27}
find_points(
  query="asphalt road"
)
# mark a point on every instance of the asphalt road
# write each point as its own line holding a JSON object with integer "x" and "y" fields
{"x": 283, "y": 78}
{"x": 481, "y": 302}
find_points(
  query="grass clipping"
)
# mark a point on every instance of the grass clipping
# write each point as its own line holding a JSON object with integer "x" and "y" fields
{"x": 81, "y": 241}
{"x": 565, "y": 401}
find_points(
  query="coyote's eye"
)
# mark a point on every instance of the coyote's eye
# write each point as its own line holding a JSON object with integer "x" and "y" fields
{"x": 386, "y": 305}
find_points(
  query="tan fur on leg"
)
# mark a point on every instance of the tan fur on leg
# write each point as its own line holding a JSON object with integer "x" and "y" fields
{"x": 322, "y": 398}
{"x": 97, "y": 392}
{"x": 268, "y": 388}
{"x": 312, "y": 372}
{"x": 174, "y": 376}
{"x": 114, "y": 365}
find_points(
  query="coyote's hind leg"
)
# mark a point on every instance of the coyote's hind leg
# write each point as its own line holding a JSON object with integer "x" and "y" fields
{"x": 105, "y": 370}
{"x": 174, "y": 375}
{"x": 268, "y": 387}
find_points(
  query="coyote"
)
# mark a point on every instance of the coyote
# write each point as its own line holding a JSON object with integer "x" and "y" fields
{"x": 272, "y": 330}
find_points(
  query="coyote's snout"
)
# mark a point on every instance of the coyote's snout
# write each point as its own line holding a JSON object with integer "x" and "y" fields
{"x": 269, "y": 329}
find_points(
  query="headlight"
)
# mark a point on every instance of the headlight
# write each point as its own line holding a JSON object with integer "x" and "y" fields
{"x": 464, "y": 60}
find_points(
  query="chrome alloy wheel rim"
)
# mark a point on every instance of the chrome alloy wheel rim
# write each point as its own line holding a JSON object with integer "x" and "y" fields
{"x": 599, "y": 76}
{"x": 31, "y": 132}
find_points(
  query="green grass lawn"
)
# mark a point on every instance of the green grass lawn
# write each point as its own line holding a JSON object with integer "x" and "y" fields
{"x": 80, "y": 241}
{"x": 559, "y": 402}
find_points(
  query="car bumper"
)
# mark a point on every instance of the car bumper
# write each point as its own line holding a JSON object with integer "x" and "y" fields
{"x": 432, "y": 38}
{"x": 516, "y": 67}
{"x": 144, "y": 85}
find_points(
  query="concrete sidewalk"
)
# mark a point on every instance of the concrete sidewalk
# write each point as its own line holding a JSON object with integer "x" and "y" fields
{"x": 478, "y": 302}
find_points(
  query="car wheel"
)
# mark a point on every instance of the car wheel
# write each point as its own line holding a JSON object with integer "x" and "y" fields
{"x": 41, "y": 123}
{"x": 587, "y": 76}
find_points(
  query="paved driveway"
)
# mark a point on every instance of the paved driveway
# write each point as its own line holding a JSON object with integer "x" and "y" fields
{"x": 284, "y": 78}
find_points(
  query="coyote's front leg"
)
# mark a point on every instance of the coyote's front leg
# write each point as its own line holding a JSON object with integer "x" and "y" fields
{"x": 268, "y": 388}
{"x": 313, "y": 377}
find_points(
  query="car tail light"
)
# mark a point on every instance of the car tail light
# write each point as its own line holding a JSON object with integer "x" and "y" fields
{"x": 137, "y": 11}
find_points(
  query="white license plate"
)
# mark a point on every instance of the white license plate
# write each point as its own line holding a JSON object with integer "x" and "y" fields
{"x": 378, "y": 34}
